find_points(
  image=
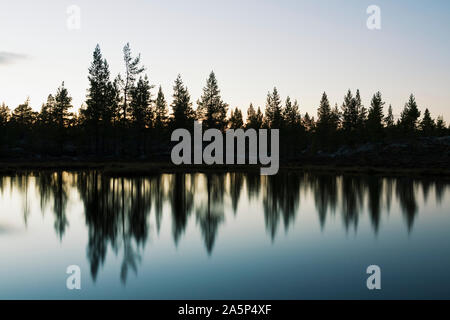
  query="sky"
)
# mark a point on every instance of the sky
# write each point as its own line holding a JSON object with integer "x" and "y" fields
{"x": 302, "y": 47}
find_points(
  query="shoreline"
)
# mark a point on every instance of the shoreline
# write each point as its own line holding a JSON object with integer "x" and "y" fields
{"x": 148, "y": 167}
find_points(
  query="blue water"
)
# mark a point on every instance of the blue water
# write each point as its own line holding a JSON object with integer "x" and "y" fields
{"x": 223, "y": 236}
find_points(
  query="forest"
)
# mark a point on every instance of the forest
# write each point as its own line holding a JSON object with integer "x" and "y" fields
{"x": 124, "y": 119}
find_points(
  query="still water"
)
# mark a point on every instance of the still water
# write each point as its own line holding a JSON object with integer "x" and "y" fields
{"x": 223, "y": 236}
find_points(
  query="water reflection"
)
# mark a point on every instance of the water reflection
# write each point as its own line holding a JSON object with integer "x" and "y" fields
{"x": 117, "y": 210}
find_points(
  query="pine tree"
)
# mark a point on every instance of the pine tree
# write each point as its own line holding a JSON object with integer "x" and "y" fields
{"x": 389, "y": 120}
{"x": 361, "y": 112}
{"x": 259, "y": 118}
{"x": 46, "y": 114}
{"x": 212, "y": 111}
{"x": 376, "y": 116}
{"x": 324, "y": 114}
{"x": 141, "y": 99}
{"x": 160, "y": 110}
{"x": 251, "y": 114}
{"x": 102, "y": 101}
{"x": 182, "y": 113}
{"x": 335, "y": 118}
{"x": 274, "y": 110}
{"x": 291, "y": 114}
{"x": 410, "y": 115}
{"x": 5, "y": 115}
{"x": 349, "y": 113}
{"x": 440, "y": 126}
{"x": 325, "y": 126}
{"x": 308, "y": 123}
{"x": 427, "y": 125}
{"x": 99, "y": 92}
{"x": 255, "y": 119}
{"x": 113, "y": 102}
{"x": 236, "y": 121}
{"x": 61, "y": 108}
{"x": 132, "y": 71}
{"x": 24, "y": 115}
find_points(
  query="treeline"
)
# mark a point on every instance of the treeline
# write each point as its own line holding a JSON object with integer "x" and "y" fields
{"x": 122, "y": 118}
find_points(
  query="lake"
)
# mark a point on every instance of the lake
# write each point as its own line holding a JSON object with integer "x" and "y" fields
{"x": 223, "y": 236}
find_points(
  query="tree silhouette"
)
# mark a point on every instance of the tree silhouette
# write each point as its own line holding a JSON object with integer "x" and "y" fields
{"x": 255, "y": 119}
{"x": 23, "y": 115}
{"x": 349, "y": 113}
{"x": 409, "y": 116}
{"x": 291, "y": 114}
{"x": 120, "y": 120}
{"x": 160, "y": 110}
{"x": 273, "y": 117}
{"x": 132, "y": 71}
{"x": 183, "y": 114}
{"x": 440, "y": 126}
{"x": 212, "y": 111}
{"x": 375, "y": 117}
{"x": 102, "y": 98}
{"x": 60, "y": 112}
{"x": 361, "y": 112}
{"x": 140, "y": 106}
{"x": 309, "y": 123}
{"x": 389, "y": 119}
{"x": 427, "y": 125}
{"x": 236, "y": 121}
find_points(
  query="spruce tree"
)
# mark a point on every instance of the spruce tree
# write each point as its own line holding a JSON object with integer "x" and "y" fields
{"x": 141, "y": 99}
{"x": 111, "y": 113}
{"x": 325, "y": 122}
{"x": 5, "y": 115}
{"x": 335, "y": 118}
{"x": 46, "y": 114}
{"x": 308, "y": 123}
{"x": 23, "y": 115}
{"x": 274, "y": 110}
{"x": 251, "y": 115}
{"x": 103, "y": 101}
{"x": 291, "y": 114}
{"x": 236, "y": 121}
{"x": 254, "y": 118}
{"x": 440, "y": 126}
{"x": 410, "y": 115}
{"x": 427, "y": 125}
{"x": 375, "y": 117}
{"x": 182, "y": 113}
{"x": 98, "y": 95}
{"x": 349, "y": 112}
{"x": 389, "y": 120}
{"x": 160, "y": 110}
{"x": 324, "y": 113}
{"x": 212, "y": 111}
{"x": 259, "y": 119}
{"x": 361, "y": 112}
{"x": 62, "y": 105}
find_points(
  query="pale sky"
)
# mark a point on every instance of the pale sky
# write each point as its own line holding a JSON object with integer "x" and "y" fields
{"x": 302, "y": 47}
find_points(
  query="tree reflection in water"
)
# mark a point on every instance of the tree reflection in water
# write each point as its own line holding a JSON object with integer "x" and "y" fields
{"x": 117, "y": 209}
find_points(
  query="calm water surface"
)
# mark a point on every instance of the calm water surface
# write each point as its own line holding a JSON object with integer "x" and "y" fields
{"x": 220, "y": 236}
